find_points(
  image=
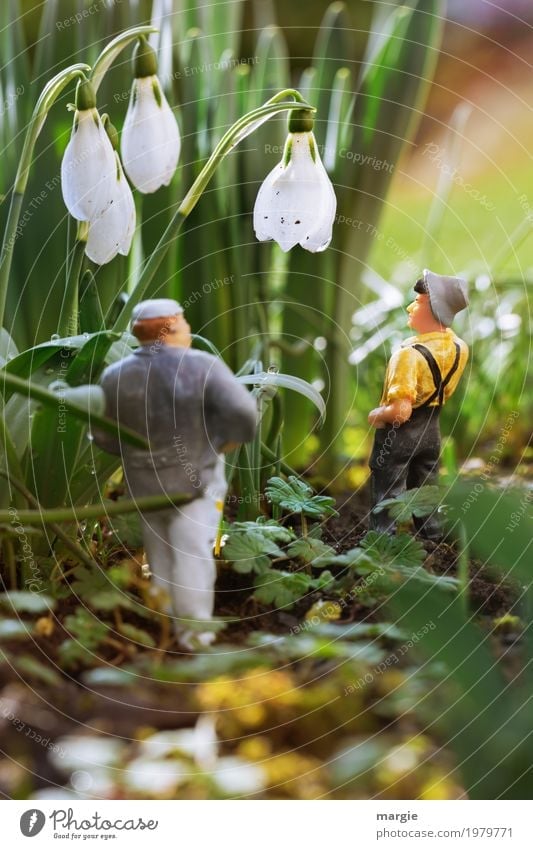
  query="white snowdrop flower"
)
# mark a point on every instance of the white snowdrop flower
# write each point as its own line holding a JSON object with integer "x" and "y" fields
{"x": 296, "y": 203}
{"x": 151, "y": 141}
{"x": 112, "y": 232}
{"x": 88, "y": 166}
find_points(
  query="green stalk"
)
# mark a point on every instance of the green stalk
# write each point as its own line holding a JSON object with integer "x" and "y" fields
{"x": 463, "y": 573}
{"x": 69, "y": 543}
{"x": 96, "y": 511}
{"x": 237, "y": 132}
{"x": 49, "y": 95}
{"x": 68, "y": 319}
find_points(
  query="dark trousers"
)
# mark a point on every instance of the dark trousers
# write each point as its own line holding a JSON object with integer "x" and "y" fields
{"x": 405, "y": 457}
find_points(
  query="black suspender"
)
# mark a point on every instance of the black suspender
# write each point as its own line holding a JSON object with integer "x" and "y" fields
{"x": 440, "y": 384}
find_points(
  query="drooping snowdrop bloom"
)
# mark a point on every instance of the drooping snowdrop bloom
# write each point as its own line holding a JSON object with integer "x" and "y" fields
{"x": 150, "y": 139}
{"x": 88, "y": 165}
{"x": 296, "y": 203}
{"x": 111, "y": 233}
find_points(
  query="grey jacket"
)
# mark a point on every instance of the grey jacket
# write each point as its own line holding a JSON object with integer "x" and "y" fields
{"x": 187, "y": 404}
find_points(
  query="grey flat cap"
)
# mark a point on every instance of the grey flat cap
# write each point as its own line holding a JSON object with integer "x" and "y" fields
{"x": 156, "y": 308}
{"x": 447, "y": 296}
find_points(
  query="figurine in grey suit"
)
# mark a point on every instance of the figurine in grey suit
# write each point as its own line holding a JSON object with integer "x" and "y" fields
{"x": 191, "y": 410}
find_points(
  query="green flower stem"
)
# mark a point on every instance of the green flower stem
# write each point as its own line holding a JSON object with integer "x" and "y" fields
{"x": 68, "y": 320}
{"x": 39, "y": 393}
{"x": 112, "y": 50}
{"x": 237, "y": 132}
{"x": 96, "y": 511}
{"x": 273, "y": 458}
{"x": 49, "y": 95}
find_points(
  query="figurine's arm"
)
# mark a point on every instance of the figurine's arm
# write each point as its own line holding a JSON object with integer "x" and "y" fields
{"x": 400, "y": 390}
{"x": 398, "y": 412}
{"x": 230, "y": 410}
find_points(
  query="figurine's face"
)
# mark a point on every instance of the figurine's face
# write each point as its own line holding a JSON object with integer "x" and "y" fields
{"x": 180, "y": 334}
{"x": 420, "y": 317}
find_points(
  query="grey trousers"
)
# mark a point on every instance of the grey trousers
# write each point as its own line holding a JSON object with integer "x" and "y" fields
{"x": 403, "y": 458}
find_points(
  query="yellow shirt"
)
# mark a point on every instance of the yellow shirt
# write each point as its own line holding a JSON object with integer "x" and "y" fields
{"x": 408, "y": 375}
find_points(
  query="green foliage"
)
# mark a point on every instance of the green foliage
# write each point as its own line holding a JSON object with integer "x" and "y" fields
{"x": 417, "y": 502}
{"x": 487, "y": 720}
{"x": 296, "y": 496}
{"x": 284, "y": 589}
{"x": 312, "y": 551}
{"x": 87, "y": 633}
{"x": 249, "y": 551}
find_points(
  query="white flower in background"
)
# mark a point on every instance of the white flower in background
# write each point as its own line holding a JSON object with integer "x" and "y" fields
{"x": 296, "y": 203}
{"x": 151, "y": 142}
{"x": 112, "y": 232}
{"x": 88, "y": 166}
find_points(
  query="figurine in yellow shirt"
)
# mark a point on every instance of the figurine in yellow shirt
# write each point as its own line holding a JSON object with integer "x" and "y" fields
{"x": 421, "y": 376}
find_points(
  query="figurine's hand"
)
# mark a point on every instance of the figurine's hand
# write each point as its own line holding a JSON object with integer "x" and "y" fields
{"x": 375, "y": 418}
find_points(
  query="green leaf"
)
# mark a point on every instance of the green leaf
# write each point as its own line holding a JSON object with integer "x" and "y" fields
{"x": 269, "y": 528}
{"x": 136, "y": 635}
{"x": 266, "y": 379}
{"x": 249, "y": 552}
{"x": 312, "y": 550}
{"x": 419, "y": 502}
{"x": 87, "y": 633}
{"x": 29, "y": 667}
{"x": 393, "y": 550}
{"x": 296, "y": 496}
{"x": 283, "y": 589}
{"x": 23, "y": 601}
{"x": 8, "y": 349}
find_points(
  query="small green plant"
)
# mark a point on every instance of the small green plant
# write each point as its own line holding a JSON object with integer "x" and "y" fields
{"x": 295, "y": 496}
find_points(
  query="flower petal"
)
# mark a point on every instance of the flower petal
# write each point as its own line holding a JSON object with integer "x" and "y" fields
{"x": 150, "y": 142}
{"x": 296, "y": 202}
{"x": 112, "y": 232}
{"x": 88, "y": 167}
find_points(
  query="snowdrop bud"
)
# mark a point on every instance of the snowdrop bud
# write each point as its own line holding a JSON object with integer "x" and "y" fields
{"x": 296, "y": 203}
{"x": 88, "y": 165}
{"x": 150, "y": 139}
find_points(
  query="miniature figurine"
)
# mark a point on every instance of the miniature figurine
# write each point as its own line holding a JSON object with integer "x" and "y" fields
{"x": 190, "y": 407}
{"x": 420, "y": 377}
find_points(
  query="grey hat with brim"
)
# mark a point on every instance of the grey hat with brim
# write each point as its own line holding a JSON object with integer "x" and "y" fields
{"x": 156, "y": 308}
{"x": 447, "y": 296}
